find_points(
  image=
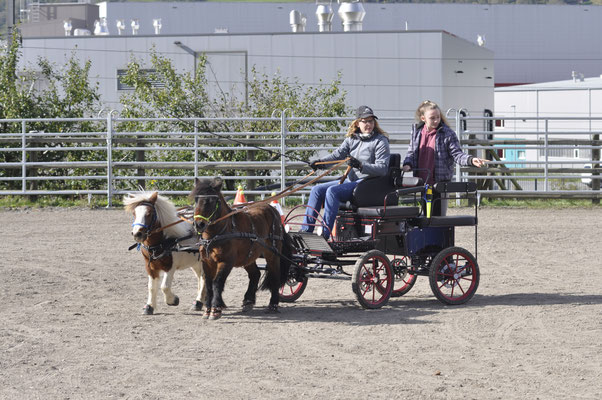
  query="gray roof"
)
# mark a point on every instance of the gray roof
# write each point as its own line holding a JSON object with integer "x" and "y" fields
{"x": 532, "y": 43}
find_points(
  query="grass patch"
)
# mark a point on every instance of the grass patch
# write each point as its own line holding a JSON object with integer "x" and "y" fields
{"x": 23, "y": 202}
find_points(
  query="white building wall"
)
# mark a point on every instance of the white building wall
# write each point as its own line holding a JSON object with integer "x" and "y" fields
{"x": 390, "y": 71}
{"x": 568, "y": 104}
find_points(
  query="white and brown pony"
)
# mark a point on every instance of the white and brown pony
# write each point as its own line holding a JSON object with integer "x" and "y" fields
{"x": 165, "y": 244}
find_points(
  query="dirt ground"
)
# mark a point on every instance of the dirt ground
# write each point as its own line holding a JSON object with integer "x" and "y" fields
{"x": 71, "y": 323}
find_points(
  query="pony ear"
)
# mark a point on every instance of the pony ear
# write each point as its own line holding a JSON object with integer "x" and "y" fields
{"x": 196, "y": 181}
{"x": 153, "y": 197}
{"x": 217, "y": 183}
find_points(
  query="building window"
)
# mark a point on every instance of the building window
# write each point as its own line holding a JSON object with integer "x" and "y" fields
{"x": 148, "y": 73}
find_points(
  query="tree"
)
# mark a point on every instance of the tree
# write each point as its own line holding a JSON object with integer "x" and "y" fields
{"x": 164, "y": 92}
{"x": 64, "y": 92}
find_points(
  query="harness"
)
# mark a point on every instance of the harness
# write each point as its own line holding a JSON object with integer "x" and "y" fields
{"x": 167, "y": 245}
{"x": 207, "y": 244}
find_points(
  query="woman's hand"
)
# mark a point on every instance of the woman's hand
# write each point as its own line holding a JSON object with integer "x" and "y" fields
{"x": 478, "y": 162}
{"x": 354, "y": 163}
{"x": 315, "y": 166}
{"x": 406, "y": 168}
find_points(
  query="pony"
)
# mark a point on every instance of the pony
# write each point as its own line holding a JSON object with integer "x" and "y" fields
{"x": 157, "y": 233}
{"x": 236, "y": 238}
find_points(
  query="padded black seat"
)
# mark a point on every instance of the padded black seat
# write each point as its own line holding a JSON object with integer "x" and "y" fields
{"x": 452, "y": 220}
{"x": 389, "y": 212}
{"x": 372, "y": 191}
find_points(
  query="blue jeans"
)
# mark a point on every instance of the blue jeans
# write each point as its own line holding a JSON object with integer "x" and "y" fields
{"x": 330, "y": 194}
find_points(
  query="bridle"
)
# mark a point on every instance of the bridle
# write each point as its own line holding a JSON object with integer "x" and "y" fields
{"x": 154, "y": 219}
{"x": 211, "y": 218}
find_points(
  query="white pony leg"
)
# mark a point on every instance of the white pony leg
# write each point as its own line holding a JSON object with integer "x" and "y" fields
{"x": 153, "y": 284}
{"x": 170, "y": 298}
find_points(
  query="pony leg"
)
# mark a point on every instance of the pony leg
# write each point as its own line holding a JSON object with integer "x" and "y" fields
{"x": 151, "y": 301}
{"x": 272, "y": 282}
{"x": 217, "y": 303}
{"x": 209, "y": 273}
{"x": 202, "y": 291}
{"x": 170, "y": 298}
{"x": 248, "y": 301}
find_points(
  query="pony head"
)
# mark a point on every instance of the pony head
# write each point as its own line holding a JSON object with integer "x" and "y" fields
{"x": 142, "y": 206}
{"x": 207, "y": 198}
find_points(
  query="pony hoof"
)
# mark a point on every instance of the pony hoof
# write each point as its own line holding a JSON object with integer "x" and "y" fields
{"x": 272, "y": 309}
{"x": 148, "y": 310}
{"x": 247, "y": 305}
{"x": 176, "y": 301}
{"x": 197, "y": 306}
{"x": 216, "y": 313}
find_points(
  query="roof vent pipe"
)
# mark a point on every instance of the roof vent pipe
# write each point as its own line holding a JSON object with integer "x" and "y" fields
{"x": 352, "y": 13}
{"x": 324, "y": 14}
{"x": 297, "y": 21}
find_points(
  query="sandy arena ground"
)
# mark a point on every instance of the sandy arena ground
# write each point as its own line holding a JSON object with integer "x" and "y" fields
{"x": 71, "y": 323}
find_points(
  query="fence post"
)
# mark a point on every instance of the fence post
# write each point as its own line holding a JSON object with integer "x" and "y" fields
{"x": 23, "y": 158}
{"x": 283, "y": 131}
{"x": 546, "y": 157}
{"x": 196, "y": 148}
{"x": 110, "y": 159}
{"x": 459, "y": 134}
{"x": 595, "y": 165}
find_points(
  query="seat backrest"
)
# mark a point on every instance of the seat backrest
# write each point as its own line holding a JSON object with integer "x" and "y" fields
{"x": 372, "y": 191}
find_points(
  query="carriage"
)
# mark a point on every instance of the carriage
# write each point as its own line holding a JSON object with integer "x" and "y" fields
{"x": 384, "y": 238}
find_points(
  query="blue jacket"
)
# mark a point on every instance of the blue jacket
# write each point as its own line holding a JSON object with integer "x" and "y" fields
{"x": 447, "y": 151}
{"x": 373, "y": 153}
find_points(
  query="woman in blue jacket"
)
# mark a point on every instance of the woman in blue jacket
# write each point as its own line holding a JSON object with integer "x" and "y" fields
{"x": 367, "y": 146}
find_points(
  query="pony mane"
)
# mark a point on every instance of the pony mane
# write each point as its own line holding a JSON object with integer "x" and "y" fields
{"x": 166, "y": 213}
{"x": 201, "y": 187}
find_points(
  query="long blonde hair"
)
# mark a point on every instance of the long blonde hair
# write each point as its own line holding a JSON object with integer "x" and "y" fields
{"x": 354, "y": 128}
{"x": 426, "y": 106}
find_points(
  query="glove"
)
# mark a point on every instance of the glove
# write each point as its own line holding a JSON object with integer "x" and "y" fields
{"x": 315, "y": 166}
{"x": 354, "y": 163}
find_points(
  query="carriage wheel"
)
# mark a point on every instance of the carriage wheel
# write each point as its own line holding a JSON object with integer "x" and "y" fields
{"x": 373, "y": 279}
{"x": 454, "y": 275}
{"x": 404, "y": 279}
{"x": 293, "y": 288}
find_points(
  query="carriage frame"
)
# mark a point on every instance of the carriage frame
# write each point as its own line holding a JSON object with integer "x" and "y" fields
{"x": 388, "y": 216}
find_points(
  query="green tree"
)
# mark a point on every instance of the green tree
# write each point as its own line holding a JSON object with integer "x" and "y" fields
{"x": 49, "y": 91}
{"x": 164, "y": 92}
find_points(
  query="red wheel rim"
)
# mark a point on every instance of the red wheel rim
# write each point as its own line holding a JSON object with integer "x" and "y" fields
{"x": 456, "y": 277}
{"x": 291, "y": 288}
{"x": 407, "y": 278}
{"x": 375, "y": 280}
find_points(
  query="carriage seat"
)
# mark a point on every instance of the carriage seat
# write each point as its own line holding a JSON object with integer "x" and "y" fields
{"x": 451, "y": 220}
{"x": 371, "y": 192}
{"x": 389, "y": 212}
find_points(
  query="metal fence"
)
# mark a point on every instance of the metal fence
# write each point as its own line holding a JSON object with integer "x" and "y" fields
{"x": 543, "y": 157}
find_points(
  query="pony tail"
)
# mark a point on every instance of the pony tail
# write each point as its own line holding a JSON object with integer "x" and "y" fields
{"x": 285, "y": 258}
{"x": 286, "y": 254}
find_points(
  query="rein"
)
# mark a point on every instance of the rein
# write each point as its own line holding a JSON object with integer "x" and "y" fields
{"x": 283, "y": 193}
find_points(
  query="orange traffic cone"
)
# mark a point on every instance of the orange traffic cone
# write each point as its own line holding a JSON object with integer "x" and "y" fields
{"x": 240, "y": 196}
{"x": 278, "y": 207}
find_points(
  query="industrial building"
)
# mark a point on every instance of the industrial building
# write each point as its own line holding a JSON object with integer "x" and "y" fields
{"x": 393, "y": 71}
{"x": 532, "y": 43}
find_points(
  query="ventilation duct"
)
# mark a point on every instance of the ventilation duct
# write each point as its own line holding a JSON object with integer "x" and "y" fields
{"x": 324, "y": 14}
{"x": 297, "y": 21}
{"x": 352, "y": 13}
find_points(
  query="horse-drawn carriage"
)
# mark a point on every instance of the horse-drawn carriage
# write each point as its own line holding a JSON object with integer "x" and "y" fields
{"x": 388, "y": 216}
{"x": 386, "y": 233}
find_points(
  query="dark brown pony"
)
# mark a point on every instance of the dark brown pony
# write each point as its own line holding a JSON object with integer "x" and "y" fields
{"x": 236, "y": 239}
